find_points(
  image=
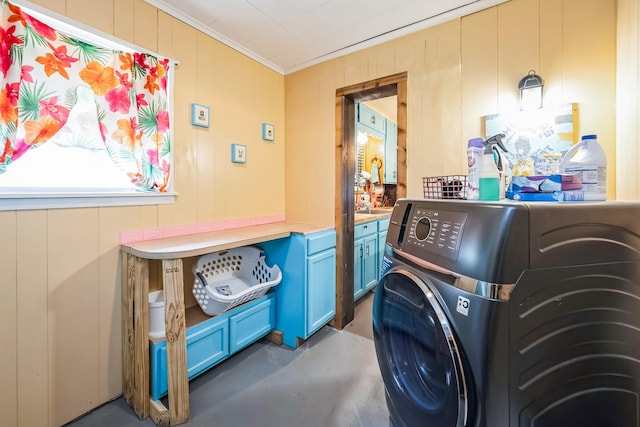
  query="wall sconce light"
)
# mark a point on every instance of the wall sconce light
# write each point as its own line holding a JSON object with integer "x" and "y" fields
{"x": 362, "y": 137}
{"x": 530, "y": 91}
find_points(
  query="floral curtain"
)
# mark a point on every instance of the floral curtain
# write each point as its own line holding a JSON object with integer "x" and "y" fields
{"x": 43, "y": 71}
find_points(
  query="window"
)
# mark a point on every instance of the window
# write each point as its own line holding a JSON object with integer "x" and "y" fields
{"x": 81, "y": 120}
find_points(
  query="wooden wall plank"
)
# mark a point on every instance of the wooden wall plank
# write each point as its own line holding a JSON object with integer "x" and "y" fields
{"x": 479, "y": 70}
{"x": 590, "y": 60}
{"x": 551, "y": 42}
{"x": 32, "y": 292}
{"x": 206, "y": 170}
{"x": 442, "y": 152}
{"x": 57, "y": 6}
{"x": 518, "y": 50}
{"x": 73, "y": 320}
{"x": 384, "y": 61}
{"x": 179, "y": 41}
{"x": 8, "y": 326}
{"x": 111, "y": 222}
{"x": 123, "y": 22}
{"x": 628, "y": 105}
{"x": 356, "y": 68}
{"x": 145, "y": 28}
{"x": 99, "y": 15}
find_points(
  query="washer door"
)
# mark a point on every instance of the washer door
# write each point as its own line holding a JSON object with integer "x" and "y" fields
{"x": 418, "y": 355}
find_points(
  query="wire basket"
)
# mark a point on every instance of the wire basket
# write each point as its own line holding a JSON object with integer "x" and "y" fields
{"x": 445, "y": 187}
{"x": 229, "y": 278}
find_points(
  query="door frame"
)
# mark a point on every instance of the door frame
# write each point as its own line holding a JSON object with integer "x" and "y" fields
{"x": 346, "y": 99}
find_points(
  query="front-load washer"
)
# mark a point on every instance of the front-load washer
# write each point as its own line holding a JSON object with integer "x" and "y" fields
{"x": 510, "y": 314}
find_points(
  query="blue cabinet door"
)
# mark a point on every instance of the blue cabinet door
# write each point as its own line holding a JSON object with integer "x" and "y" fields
{"x": 372, "y": 120}
{"x": 305, "y": 299}
{"x": 365, "y": 265}
{"x": 370, "y": 264}
{"x": 358, "y": 262}
{"x": 321, "y": 289}
{"x": 251, "y": 324}
{"x": 207, "y": 344}
{"x": 365, "y": 258}
{"x": 213, "y": 340}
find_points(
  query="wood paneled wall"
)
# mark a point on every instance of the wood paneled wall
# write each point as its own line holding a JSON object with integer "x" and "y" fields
{"x": 60, "y": 311}
{"x": 459, "y": 72}
{"x": 628, "y": 101}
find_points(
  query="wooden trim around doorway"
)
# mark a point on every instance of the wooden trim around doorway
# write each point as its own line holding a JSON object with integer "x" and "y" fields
{"x": 346, "y": 99}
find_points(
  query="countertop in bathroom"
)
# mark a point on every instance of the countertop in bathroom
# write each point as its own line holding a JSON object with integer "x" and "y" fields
{"x": 365, "y": 217}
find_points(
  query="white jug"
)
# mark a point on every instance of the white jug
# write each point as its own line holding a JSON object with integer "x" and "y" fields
{"x": 588, "y": 158}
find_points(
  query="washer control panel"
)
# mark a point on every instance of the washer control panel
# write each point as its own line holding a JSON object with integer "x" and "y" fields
{"x": 435, "y": 231}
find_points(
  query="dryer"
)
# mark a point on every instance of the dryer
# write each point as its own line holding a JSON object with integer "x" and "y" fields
{"x": 510, "y": 314}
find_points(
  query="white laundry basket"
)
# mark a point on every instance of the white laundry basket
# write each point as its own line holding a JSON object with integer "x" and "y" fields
{"x": 229, "y": 278}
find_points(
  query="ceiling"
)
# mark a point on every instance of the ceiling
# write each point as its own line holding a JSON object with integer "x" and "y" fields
{"x": 289, "y": 35}
{"x": 387, "y": 106}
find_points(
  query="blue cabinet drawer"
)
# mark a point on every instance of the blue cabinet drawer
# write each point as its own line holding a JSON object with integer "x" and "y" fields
{"x": 251, "y": 324}
{"x": 364, "y": 229}
{"x": 207, "y": 344}
{"x": 215, "y": 339}
{"x": 321, "y": 241}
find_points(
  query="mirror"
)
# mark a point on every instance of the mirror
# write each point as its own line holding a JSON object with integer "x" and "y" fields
{"x": 376, "y": 153}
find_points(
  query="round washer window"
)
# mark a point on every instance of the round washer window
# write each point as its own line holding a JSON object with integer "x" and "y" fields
{"x": 420, "y": 368}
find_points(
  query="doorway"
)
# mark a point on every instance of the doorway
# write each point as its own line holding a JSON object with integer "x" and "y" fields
{"x": 346, "y": 100}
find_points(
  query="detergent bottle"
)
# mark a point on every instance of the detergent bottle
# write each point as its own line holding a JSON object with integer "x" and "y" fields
{"x": 588, "y": 158}
{"x": 489, "y": 173}
{"x": 475, "y": 151}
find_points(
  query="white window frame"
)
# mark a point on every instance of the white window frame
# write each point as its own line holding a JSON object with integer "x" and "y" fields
{"x": 69, "y": 198}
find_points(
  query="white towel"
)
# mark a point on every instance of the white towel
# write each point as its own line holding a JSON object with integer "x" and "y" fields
{"x": 375, "y": 173}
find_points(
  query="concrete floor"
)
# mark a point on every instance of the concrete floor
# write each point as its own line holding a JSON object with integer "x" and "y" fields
{"x": 332, "y": 380}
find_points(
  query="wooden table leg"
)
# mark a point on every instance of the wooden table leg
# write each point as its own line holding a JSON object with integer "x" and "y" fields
{"x": 175, "y": 330}
{"x": 135, "y": 333}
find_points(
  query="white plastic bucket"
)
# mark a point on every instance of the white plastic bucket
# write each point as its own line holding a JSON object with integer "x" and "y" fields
{"x": 156, "y": 314}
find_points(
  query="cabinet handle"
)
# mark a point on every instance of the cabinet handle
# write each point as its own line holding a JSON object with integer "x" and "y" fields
{"x": 367, "y": 250}
{"x": 360, "y": 251}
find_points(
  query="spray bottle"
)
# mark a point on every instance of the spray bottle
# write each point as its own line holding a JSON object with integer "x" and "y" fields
{"x": 489, "y": 174}
{"x": 503, "y": 168}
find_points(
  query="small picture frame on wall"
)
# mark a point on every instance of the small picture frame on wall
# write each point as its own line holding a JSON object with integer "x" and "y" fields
{"x": 200, "y": 115}
{"x": 238, "y": 153}
{"x": 268, "y": 132}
